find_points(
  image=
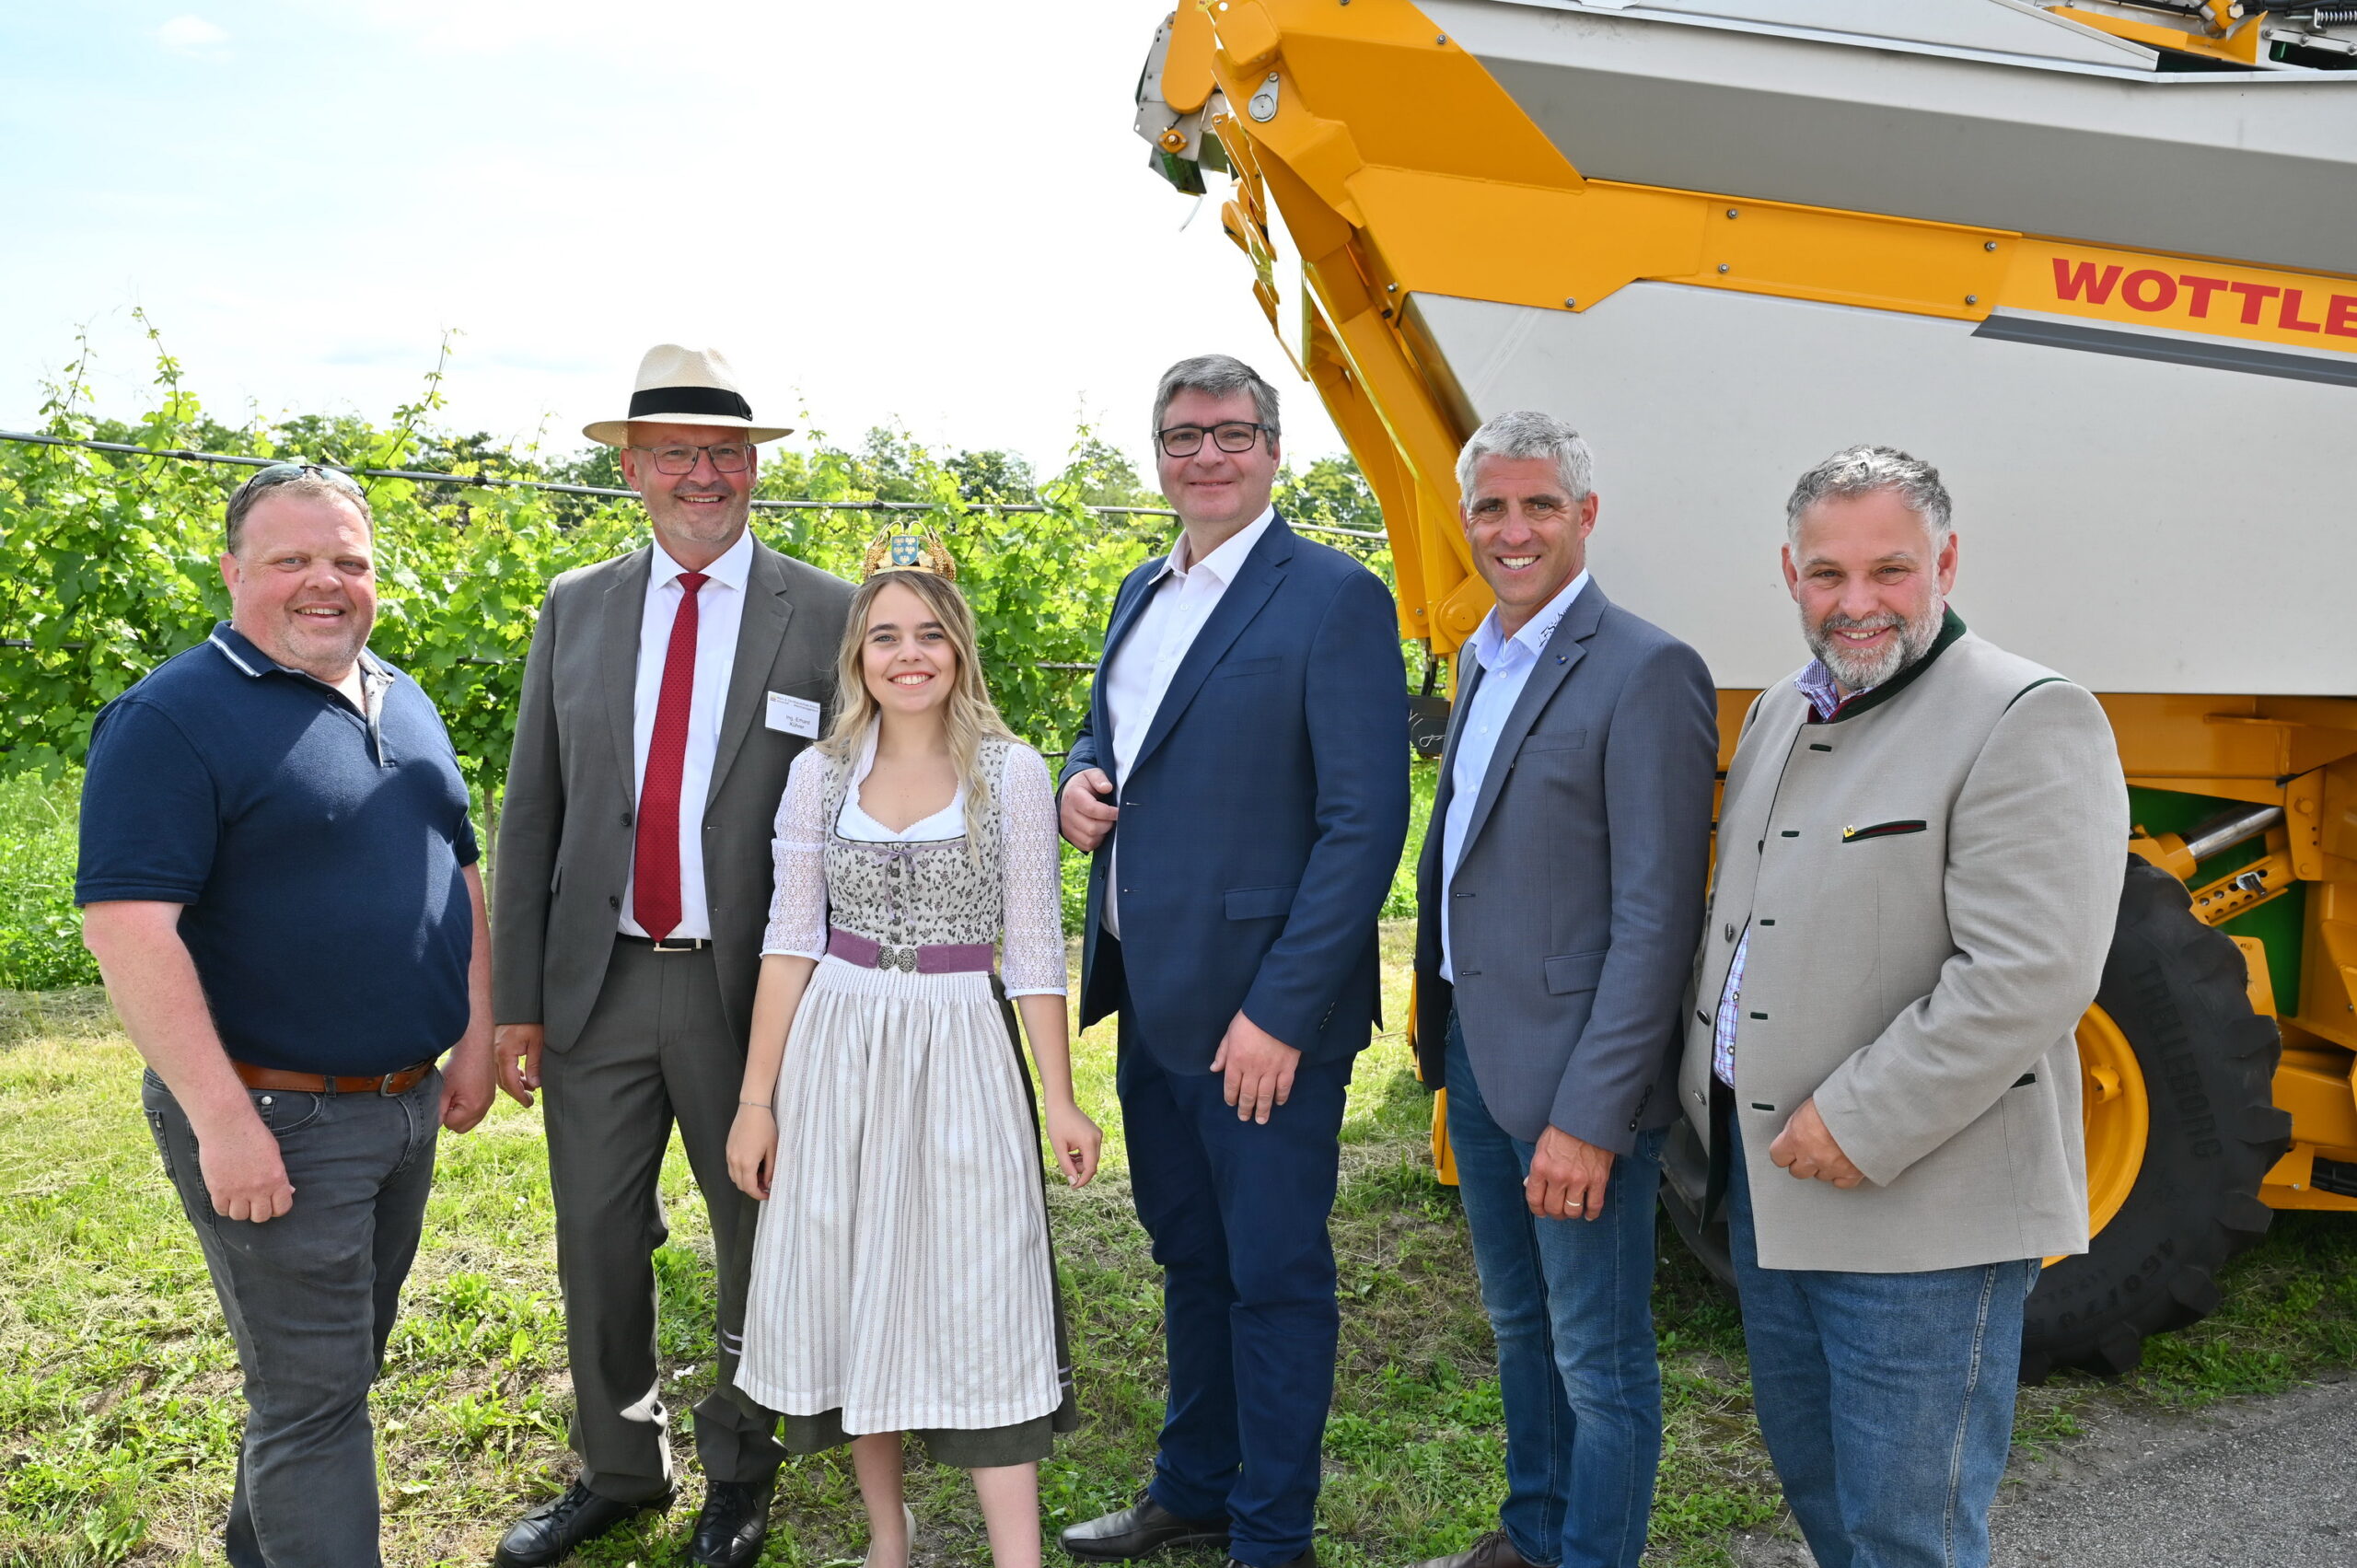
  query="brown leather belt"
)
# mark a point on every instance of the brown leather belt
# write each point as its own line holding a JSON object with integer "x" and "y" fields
{"x": 399, "y": 1083}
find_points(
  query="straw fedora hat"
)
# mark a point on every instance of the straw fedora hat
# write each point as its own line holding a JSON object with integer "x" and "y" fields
{"x": 684, "y": 386}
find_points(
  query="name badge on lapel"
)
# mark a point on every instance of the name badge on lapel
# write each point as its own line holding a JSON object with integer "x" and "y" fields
{"x": 794, "y": 716}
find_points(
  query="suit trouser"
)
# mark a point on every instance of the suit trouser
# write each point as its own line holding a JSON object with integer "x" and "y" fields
{"x": 656, "y": 1047}
{"x": 310, "y": 1297}
{"x": 1237, "y": 1211}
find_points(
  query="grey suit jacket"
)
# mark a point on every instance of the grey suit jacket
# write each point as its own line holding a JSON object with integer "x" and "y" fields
{"x": 566, "y": 830}
{"x": 1931, "y": 882}
{"x": 1578, "y": 895}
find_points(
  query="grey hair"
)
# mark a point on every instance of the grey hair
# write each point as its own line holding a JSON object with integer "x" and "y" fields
{"x": 1862, "y": 470}
{"x": 1217, "y": 375}
{"x": 324, "y": 484}
{"x": 1526, "y": 433}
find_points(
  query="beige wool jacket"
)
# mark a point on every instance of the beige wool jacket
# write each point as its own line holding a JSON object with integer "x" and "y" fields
{"x": 1931, "y": 882}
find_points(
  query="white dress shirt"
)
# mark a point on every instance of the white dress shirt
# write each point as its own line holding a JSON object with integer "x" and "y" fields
{"x": 1506, "y": 663}
{"x": 1179, "y": 600}
{"x": 720, "y": 609}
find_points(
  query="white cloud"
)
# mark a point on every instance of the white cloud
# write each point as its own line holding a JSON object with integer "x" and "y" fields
{"x": 192, "y": 36}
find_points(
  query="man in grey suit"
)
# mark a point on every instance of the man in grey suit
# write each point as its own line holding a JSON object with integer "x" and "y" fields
{"x": 1560, "y": 894}
{"x": 1920, "y": 859}
{"x": 666, "y": 693}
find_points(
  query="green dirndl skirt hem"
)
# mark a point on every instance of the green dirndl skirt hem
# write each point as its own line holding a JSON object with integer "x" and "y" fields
{"x": 986, "y": 1448}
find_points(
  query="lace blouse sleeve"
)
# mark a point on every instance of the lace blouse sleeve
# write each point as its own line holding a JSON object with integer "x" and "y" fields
{"x": 797, "y": 925}
{"x": 1032, "y": 962}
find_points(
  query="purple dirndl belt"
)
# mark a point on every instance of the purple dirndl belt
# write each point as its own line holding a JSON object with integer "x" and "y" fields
{"x": 933, "y": 957}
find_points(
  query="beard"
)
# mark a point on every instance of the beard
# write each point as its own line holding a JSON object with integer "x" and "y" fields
{"x": 1858, "y": 671}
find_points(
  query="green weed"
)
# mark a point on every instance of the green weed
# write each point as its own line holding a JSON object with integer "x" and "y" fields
{"x": 40, "y": 931}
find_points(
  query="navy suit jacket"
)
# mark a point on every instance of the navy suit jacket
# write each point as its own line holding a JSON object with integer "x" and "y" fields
{"x": 1262, "y": 821}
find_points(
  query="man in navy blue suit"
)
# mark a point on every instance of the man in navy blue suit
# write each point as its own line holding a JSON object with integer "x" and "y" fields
{"x": 1242, "y": 783}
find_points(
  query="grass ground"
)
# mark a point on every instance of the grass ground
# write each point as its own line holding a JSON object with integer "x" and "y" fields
{"x": 40, "y": 931}
{"x": 118, "y": 1403}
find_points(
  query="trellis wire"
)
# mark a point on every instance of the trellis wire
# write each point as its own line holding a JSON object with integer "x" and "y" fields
{"x": 421, "y": 476}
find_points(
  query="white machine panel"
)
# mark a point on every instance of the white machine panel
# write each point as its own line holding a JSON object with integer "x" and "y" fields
{"x": 1983, "y": 27}
{"x": 2257, "y": 166}
{"x": 2138, "y": 526}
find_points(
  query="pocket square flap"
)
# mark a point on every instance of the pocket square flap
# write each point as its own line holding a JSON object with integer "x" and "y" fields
{"x": 1885, "y": 830}
{"x": 1573, "y": 972}
{"x": 1257, "y": 903}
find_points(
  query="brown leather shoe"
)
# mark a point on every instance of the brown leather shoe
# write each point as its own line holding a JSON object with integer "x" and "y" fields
{"x": 1493, "y": 1550}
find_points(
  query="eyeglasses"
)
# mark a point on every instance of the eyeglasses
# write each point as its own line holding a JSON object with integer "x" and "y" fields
{"x": 280, "y": 473}
{"x": 727, "y": 457}
{"x": 1186, "y": 440}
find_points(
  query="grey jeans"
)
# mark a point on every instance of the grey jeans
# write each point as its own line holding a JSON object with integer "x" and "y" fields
{"x": 310, "y": 1298}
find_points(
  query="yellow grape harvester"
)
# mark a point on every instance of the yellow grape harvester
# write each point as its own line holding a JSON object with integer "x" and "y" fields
{"x": 2092, "y": 260}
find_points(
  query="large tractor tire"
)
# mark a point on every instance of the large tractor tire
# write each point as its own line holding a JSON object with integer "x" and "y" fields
{"x": 2182, "y": 1127}
{"x": 2173, "y": 1032}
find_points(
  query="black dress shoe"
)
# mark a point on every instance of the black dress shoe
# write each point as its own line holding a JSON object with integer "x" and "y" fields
{"x": 1493, "y": 1550}
{"x": 1135, "y": 1532}
{"x": 550, "y": 1533}
{"x": 735, "y": 1521}
{"x": 1306, "y": 1559}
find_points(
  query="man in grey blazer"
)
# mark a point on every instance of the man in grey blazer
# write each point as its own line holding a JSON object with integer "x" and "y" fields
{"x": 666, "y": 693}
{"x": 1920, "y": 858}
{"x": 1560, "y": 893}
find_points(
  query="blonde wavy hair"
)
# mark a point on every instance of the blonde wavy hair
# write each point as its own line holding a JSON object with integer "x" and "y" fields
{"x": 972, "y": 716}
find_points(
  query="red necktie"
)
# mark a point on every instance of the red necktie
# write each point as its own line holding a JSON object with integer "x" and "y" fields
{"x": 655, "y": 870}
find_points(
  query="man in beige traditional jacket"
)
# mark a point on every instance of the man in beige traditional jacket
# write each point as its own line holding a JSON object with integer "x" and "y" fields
{"x": 1920, "y": 854}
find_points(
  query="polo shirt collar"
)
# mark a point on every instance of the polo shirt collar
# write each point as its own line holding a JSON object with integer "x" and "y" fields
{"x": 734, "y": 568}
{"x": 1227, "y": 560}
{"x": 1492, "y": 648}
{"x": 247, "y": 657}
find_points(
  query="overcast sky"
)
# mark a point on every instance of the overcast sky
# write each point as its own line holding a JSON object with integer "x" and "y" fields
{"x": 926, "y": 212}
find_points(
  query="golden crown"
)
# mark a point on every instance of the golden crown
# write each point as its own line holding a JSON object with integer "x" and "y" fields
{"x": 909, "y": 550}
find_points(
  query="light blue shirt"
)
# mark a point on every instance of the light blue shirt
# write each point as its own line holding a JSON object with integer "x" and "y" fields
{"x": 1506, "y": 663}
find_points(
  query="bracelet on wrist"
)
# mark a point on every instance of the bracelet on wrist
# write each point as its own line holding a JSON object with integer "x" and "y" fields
{"x": 760, "y": 1105}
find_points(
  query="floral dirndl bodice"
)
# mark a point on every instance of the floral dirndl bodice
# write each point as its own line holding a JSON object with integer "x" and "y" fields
{"x": 1002, "y": 887}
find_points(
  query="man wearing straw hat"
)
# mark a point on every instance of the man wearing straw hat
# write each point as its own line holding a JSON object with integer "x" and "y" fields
{"x": 666, "y": 693}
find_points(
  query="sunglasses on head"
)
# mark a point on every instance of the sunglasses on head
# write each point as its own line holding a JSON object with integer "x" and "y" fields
{"x": 280, "y": 473}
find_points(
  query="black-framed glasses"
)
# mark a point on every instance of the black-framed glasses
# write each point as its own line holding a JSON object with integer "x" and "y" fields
{"x": 1230, "y": 436}
{"x": 727, "y": 457}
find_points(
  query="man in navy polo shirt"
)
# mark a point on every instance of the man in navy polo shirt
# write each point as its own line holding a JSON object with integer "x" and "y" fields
{"x": 279, "y": 883}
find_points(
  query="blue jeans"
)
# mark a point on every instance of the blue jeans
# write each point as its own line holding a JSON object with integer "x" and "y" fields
{"x": 310, "y": 1297}
{"x": 1571, "y": 1304}
{"x": 1236, "y": 1211}
{"x": 1887, "y": 1401}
